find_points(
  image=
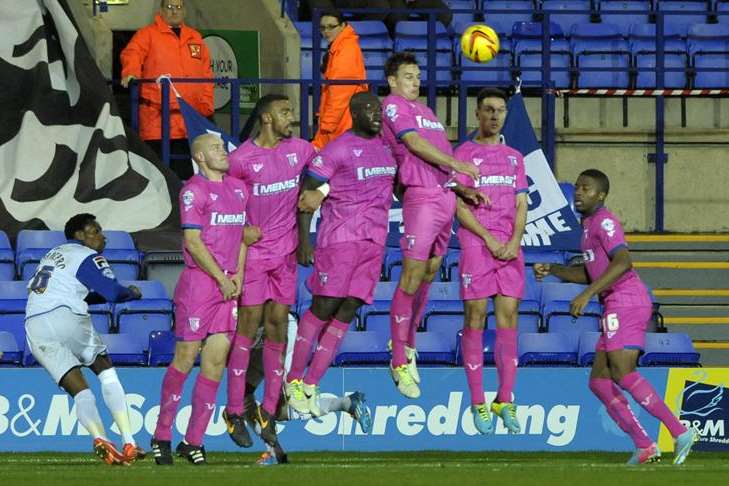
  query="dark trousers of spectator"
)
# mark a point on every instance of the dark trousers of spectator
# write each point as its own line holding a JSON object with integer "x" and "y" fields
{"x": 389, "y": 19}
{"x": 178, "y": 147}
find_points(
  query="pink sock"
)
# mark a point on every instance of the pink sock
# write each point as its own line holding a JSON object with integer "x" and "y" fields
{"x": 240, "y": 354}
{"x": 401, "y": 314}
{"x": 325, "y": 351}
{"x": 309, "y": 328}
{"x": 273, "y": 374}
{"x": 506, "y": 361}
{"x": 421, "y": 300}
{"x": 203, "y": 406}
{"x": 472, "y": 354}
{"x": 644, "y": 394}
{"x": 172, "y": 385}
{"x": 619, "y": 410}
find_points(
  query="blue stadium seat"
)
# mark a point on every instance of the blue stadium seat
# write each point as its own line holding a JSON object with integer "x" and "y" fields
{"x": 566, "y": 20}
{"x": 586, "y": 349}
{"x": 708, "y": 46}
{"x": 489, "y": 341}
{"x": 443, "y": 297}
{"x": 539, "y": 256}
{"x": 10, "y": 353}
{"x": 155, "y": 307}
{"x": 684, "y": 12}
{"x": 610, "y": 12}
{"x": 373, "y": 35}
{"x": 573, "y": 328}
{"x": 646, "y": 65}
{"x": 124, "y": 349}
{"x": 546, "y": 349}
{"x": 669, "y": 349}
{"x": 496, "y": 72}
{"x": 711, "y": 79}
{"x": 413, "y": 35}
{"x": 306, "y": 60}
{"x": 529, "y": 318}
{"x": 363, "y": 347}
{"x": 595, "y": 47}
{"x": 13, "y": 298}
{"x": 643, "y": 47}
{"x": 101, "y": 318}
{"x": 461, "y": 17}
{"x": 380, "y": 303}
{"x": 31, "y": 246}
{"x": 527, "y": 38}
{"x": 443, "y": 63}
{"x": 556, "y": 298}
{"x": 643, "y": 38}
{"x": 450, "y": 265}
{"x": 375, "y": 64}
{"x": 517, "y": 11}
{"x": 7, "y": 258}
{"x": 161, "y": 348}
{"x": 434, "y": 349}
{"x": 122, "y": 255}
{"x": 448, "y": 325}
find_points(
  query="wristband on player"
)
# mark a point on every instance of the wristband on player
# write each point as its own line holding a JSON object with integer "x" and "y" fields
{"x": 324, "y": 189}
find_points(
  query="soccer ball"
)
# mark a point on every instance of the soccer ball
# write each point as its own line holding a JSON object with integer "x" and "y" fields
{"x": 480, "y": 43}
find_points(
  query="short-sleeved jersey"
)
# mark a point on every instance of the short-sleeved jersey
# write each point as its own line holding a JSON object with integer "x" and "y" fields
{"x": 400, "y": 117}
{"x": 218, "y": 210}
{"x": 273, "y": 177}
{"x": 602, "y": 236}
{"x": 502, "y": 177}
{"x": 361, "y": 173}
{"x": 64, "y": 277}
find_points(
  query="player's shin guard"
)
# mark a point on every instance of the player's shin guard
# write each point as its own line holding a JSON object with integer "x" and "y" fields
{"x": 401, "y": 314}
{"x": 325, "y": 351}
{"x": 472, "y": 355}
{"x": 240, "y": 354}
{"x": 309, "y": 328}
{"x": 172, "y": 385}
{"x": 619, "y": 410}
{"x": 506, "y": 361}
{"x": 88, "y": 414}
{"x": 116, "y": 401}
{"x": 644, "y": 394}
{"x": 203, "y": 406}
{"x": 273, "y": 374}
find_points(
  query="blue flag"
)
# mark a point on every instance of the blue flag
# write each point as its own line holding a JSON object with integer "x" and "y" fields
{"x": 551, "y": 223}
{"x": 197, "y": 124}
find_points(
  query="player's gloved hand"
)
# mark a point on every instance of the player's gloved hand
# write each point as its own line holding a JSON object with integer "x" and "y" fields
{"x": 541, "y": 270}
{"x": 309, "y": 201}
{"x": 227, "y": 288}
{"x": 135, "y": 291}
{"x": 579, "y": 303}
{"x": 251, "y": 234}
{"x": 305, "y": 254}
{"x": 468, "y": 169}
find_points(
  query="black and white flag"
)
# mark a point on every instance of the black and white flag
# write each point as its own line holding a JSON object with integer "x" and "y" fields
{"x": 63, "y": 146}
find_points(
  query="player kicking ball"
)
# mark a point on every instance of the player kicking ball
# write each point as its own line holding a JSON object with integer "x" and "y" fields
{"x": 492, "y": 262}
{"x": 62, "y": 338}
{"x": 608, "y": 271}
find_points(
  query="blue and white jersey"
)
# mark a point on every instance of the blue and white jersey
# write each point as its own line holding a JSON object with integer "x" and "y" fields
{"x": 66, "y": 275}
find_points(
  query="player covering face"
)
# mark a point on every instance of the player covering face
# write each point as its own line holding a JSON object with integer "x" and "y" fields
{"x": 608, "y": 273}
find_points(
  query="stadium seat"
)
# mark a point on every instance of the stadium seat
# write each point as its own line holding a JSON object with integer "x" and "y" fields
{"x": 31, "y": 246}
{"x": 163, "y": 266}
{"x": 708, "y": 46}
{"x": 161, "y": 348}
{"x": 13, "y": 298}
{"x": 380, "y": 303}
{"x": 610, "y": 12}
{"x": 573, "y": 328}
{"x": 101, "y": 317}
{"x": 555, "y": 9}
{"x": 586, "y": 349}
{"x": 556, "y": 298}
{"x": 530, "y": 64}
{"x": 496, "y": 72}
{"x": 643, "y": 47}
{"x": 434, "y": 349}
{"x": 363, "y": 347}
{"x": 646, "y": 66}
{"x": 711, "y": 79}
{"x": 450, "y": 265}
{"x": 512, "y": 11}
{"x": 7, "y": 258}
{"x": 303, "y": 298}
{"x": 538, "y": 256}
{"x": 669, "y": 349}
{"x": 595, "y": 47}
{"x": 461, "y": 17}
{"x": 489, "y": 341}
{"x": 413, "y": 35}
{"x": 448, "y": 325}
{"x": 154, "y": 309}
{"x": 443, "y": 297}
{"x": 121, "y": 253}
{"x": 373, "y": 36}
{"x": 10, "y": 353}
{"x": 124, "y": 349}
{"x": 546, "y": 349}
{"x": 443, "y": 63}
{"x": 684, "y": 12}
{"x": 375, "y": 64}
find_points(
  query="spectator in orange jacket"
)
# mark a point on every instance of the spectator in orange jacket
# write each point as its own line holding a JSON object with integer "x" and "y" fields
{"x": 169, "y": 46}
{"x": 343, "y": 60}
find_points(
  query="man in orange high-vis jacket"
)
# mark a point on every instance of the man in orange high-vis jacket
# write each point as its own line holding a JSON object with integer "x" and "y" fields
{"x": 343, "y": 61}
{"x": 168, "y": 46}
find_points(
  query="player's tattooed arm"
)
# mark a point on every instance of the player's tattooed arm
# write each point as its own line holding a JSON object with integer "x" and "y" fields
{"x": 429, "y": 153}
{"x": 469, "y": 221}
{"x": 571, "y": 273}
{"x": 207, "y": 263}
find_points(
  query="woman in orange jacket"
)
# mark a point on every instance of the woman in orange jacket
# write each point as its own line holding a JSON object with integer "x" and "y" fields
{"x": 343, "y": 61}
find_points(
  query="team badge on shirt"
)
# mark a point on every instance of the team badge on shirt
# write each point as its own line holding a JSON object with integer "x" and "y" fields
{"x": 391, "y": 111}
{"x": 512, "y": 159}
{"x": 317, "y": 161}
{"x": 195, "y": 50}
{"x": 411, "y": 241}
{"x": 194, "y": 323}
{"x": 467, "y": 279}
{"x": 187, "y": 198}
{"x": 609, "y": 226}
{"x": 323, "y": 278}
{"x": 293, "y": 159}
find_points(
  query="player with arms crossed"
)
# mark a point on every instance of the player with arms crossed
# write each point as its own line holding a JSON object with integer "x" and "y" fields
{"x": 608, "y": 271}
{"x": 62, "y": 338}
{"x": 212, "y": 210}
{"x": 425, "y": 165}
{"x": 492, "y": 262}
{"x": 270, "y": 165}
{"x": 350, "y": 244}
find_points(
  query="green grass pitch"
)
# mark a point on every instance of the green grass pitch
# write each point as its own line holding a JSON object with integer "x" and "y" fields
{"x": 391, "y": 469}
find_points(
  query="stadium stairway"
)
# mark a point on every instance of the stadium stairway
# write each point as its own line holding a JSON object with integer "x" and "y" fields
{"x": 689, "y": 275}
